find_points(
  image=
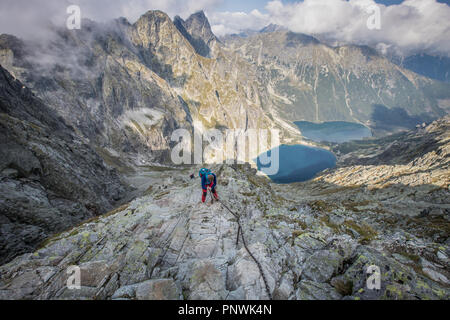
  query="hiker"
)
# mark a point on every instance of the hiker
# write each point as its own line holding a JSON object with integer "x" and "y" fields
{"x": 209, "y": 180}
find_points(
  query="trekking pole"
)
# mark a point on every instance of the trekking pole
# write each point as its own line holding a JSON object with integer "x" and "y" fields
{"x": 210, "y": 194}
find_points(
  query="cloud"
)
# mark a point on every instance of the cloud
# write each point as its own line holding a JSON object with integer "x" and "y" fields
{"x": 29, "y": 19}
{"x": 133, "y": 9}
{"x": 412, "y": 26}
{"x": 233, "y": 22}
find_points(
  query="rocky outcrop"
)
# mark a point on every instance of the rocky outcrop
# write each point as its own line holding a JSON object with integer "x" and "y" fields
{"x": 314, "y": 240}
{"x": 50, "y": 180}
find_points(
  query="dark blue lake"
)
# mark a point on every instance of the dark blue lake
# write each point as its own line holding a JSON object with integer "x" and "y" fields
{"x": 333, "y": 131}
{"x": 299, "y": 163}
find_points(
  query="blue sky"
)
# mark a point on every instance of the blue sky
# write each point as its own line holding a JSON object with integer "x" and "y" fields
{"x": 249, "y": 5}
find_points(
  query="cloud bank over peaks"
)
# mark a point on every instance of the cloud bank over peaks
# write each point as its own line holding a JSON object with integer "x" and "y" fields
{"x": 410, "y": 27}
{"x": 414, "y": 26}
{"x": 30, "y": 19}
{"x": 224, "y": 23}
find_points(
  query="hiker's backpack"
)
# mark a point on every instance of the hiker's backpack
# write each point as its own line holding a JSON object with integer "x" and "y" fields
{"x": 203, "y": 171}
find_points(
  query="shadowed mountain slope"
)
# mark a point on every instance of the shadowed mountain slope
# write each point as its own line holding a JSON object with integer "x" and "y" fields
{"x": 50, "y": 179}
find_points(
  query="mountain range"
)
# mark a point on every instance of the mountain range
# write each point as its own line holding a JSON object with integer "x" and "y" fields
{"x": 126, "y": 87}
{"x": 86, "y": 118}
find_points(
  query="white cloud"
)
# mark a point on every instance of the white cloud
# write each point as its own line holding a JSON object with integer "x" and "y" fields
{"x": 133, "y": 9}
{"x": 29, "y": 18}
{"x": 412, "y": 26}
{"x": 233, "y": 22}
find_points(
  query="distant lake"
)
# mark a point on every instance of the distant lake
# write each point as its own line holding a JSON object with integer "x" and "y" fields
{"x": 300, "y": 163}
{"x": 333, "y": 131}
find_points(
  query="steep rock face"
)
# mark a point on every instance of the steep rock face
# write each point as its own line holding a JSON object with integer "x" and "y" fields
{"x": 221, "y": 92}
{"x": 92, "y": 79}
{"x": 122, "y": 89}
{"x": 311, "y": 81}
{"x": 197, "y": 24}
{"x": 49, "y": 178}
{"x": 311, "y": 243}
{"x": 198, "y": 31}
{"x": 434, "y": 67}
{"x": 126, "y": 87}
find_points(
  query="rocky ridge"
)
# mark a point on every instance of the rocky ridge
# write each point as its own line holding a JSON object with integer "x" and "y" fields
{"x": 314, "y": 240}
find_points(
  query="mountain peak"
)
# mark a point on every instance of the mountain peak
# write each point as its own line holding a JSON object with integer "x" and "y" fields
{"x": 272, "y": 28}
{"x": 198, "y": 32}
{"x": 198, "y": 24}
{"x": 155, "y": 15}
{"x": 122, "y": 21}
{"x": 199, "y": 15}
{"x": 153, "y": 26}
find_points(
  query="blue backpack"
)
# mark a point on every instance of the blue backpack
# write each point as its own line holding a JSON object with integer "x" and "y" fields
{"x": 204, "y": 171}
